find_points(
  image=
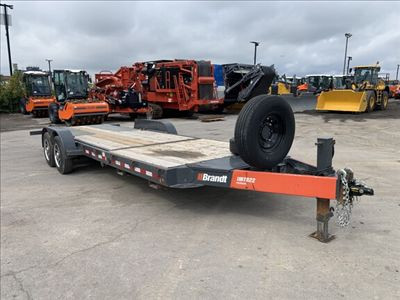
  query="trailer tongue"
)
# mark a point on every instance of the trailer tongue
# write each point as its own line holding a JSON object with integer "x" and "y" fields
{"x": 155, "y": 152}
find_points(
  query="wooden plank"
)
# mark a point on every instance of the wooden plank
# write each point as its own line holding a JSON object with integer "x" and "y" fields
{"x": 106, "y": 144}
{"x": 178, "y": 153}
{"x": 111, "y": 140}
{"x": 211, "y": 118}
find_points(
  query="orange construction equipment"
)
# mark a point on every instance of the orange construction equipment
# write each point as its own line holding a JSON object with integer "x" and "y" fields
{"x": 182, "y": 86}
{"x": 38, "y": 95}
{"x": 179, "y": 85}
{"x": 73, "y": 106}
{"x": 396, "y": 93}
{"x": 117, "y": 90}
{"x": 394, "y": 89}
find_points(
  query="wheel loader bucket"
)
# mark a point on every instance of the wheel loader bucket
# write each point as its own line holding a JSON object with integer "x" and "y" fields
{"x": 342, "y": 100}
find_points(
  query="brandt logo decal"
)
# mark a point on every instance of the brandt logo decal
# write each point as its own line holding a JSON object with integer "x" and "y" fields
{"x": 212, "y": 178}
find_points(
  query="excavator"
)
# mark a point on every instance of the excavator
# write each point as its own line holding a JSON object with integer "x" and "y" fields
{"x": 364, "y": 92}
{"x": 72, "y": 105}
{"x": 37, "y": 93}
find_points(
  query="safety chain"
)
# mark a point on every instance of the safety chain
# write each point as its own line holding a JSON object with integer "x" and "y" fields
{"x": 344, "y": 205}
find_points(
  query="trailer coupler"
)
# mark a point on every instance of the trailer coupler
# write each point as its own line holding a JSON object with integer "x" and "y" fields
{"x": 358, "y": 188}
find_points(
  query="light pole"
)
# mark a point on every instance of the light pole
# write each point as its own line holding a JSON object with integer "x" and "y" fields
{"x": 349, "y": 58}
{"x": 7, "y": 33}
{"x": 49, "y": 61}
{"x": 347, "y": 35}
{"x": 255, "y": 50}
{"x": 397, "y": 72}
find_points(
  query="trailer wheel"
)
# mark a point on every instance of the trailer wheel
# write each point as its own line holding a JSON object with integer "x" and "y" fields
{"x": 22, "y": 107}
{"x": 264, "y": 131}
{"x": 53, "y": 113}
{"x": 63, "y": 163}
{"x": 48, "y": 149}
{"x": 385, "y": 100}
{"x": 232, "y": 147}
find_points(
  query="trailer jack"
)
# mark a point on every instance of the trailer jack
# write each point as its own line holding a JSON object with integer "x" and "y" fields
{"x": 324, "y": 213}
{"x": 349, "y": 189}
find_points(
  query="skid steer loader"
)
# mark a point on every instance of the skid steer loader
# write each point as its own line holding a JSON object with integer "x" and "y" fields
{"x": 364, "y": 93}
{"x": 38, "y": 95}
{"x": 72, "y": 106}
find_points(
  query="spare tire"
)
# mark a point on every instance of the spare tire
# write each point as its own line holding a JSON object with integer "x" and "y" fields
{"x": 264, "y": 131}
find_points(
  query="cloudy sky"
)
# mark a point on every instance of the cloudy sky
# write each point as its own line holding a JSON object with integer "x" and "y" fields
{"x": 298, "y": 37}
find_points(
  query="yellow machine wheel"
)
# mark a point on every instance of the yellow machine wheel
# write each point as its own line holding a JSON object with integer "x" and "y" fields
{"x": 371, "y": 101}
{"x": 385, "y": 101}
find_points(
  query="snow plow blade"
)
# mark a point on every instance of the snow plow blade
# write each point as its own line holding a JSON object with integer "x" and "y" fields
{"x": 342, "y": 100}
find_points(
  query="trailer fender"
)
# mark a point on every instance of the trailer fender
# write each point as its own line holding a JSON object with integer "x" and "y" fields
{"x": 67, "y": 140}
{"x": 155, "y": 125}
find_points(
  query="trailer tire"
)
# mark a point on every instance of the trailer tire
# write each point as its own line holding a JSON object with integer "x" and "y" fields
{"x": 232, "y": 147}
{"x": 53, "y": 113}
{"x": 385, "y": 100}
{"x": 264, "y": 131}
{"x": 22, "y": 107}
{"x": 63, "y": 163}
{"x": 48, "y": 149}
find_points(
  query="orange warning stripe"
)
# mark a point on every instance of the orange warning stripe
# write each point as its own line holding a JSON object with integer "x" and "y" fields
{"x": 289, "y": 184}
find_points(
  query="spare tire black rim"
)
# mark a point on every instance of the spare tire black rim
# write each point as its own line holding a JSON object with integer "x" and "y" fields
{"x": 272, "y": 131}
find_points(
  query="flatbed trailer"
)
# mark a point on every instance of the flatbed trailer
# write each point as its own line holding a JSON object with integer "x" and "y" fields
{"x": 155, "y": 152}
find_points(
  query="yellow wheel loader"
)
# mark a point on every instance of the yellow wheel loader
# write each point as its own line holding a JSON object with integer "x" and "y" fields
{"x": 364, "y": 92}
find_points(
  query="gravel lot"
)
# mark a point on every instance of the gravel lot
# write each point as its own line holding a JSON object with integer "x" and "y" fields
{"x": 95, "y": 234}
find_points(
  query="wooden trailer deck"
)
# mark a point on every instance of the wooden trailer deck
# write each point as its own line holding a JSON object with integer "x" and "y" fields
{"x": 158, "y": 149}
